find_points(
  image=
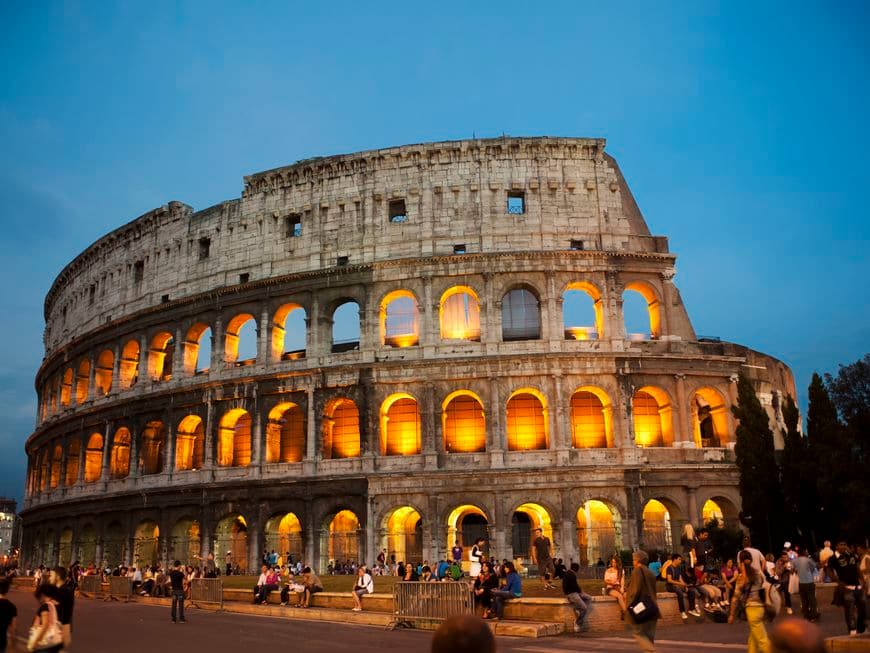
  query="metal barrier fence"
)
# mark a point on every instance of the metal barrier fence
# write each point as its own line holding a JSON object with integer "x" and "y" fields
{"x": 90, "y": 585}
{"x": 427, "y": 604}
{"x": 207, "y": 590}
{"x": 120, "y": 588}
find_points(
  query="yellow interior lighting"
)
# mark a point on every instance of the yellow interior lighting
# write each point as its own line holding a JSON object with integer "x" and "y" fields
{"x": 463, "y": 423}
{"x": 526, "y": 421}
{"x": 400, "y": 426}
{"x": 341, "y": 437}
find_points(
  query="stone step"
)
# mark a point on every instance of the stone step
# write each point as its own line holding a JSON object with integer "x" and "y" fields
{"x": 526, "y": 628}
{"x": 847, "y": 644}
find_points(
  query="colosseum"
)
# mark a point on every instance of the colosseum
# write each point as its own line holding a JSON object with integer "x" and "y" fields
{"x": 394, "y": 349}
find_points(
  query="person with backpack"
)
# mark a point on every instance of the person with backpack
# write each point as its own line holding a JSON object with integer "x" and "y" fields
{"x": 46, "y": 634}
{"x": 749, "y": 594}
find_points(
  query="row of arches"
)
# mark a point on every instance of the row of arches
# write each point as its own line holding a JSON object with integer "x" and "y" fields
{"x": 459, "y": 310}
{"x": 463, "y": 426}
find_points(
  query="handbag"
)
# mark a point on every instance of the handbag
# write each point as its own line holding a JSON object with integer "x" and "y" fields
{"x": 643, "y": 609}
{"x": 53, "y": 635}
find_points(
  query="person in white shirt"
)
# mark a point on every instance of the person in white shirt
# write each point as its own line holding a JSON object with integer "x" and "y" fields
{"x": 824, "y": 556}
{"x": 364, "y": 585}
{"x": 757, "y": 558}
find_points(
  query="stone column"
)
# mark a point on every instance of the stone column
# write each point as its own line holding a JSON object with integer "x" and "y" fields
{"x": 553, "y": 319}
{"x": 178, "y": 354}
{"x": 368, "y": 555}
{"x": 313, "y": 325}
{"x": 92, "y": 378}
{"x": 430, "y": 442}
{"x": 135, "y": 434}
{"x": 569, "y": 548}
{"x": 143, "y": 373}
{"x": 496, "y": 443}
{"x": 169, "y": 453}
{"x": 694, "y": 516}
{"x": 255, "y": 545}
{"x": 682, "y": 428}
{"x": 257, "y": 435}
{"x": 557, "y": 415}
{"x": 116, "y": 370}
{"x": 311, "y": 535}
{"x": 623, "y": 419}
{"x": 107, "y": 451}
{"x": 83, "y": 452}
{"x": 217, "y": 346}
{"x": 264, "y": 338}
{"x": 311, "y": 439}
{"x": 429, "y": 327}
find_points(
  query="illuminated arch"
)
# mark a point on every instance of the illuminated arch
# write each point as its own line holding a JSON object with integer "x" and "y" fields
{"x": 524, "y": 520}
{"x": 73, "y": 456}
{"x": 66, "y": 386}
{"x": 341, "y": 436}
{"x": 231, "y": 541}
{"x": 591, "y": 418}
{"x": 83, "y": 380}
{"x": 289, "y": 333}
{"x": 238, "y": 339}
{"x": 710, "y": 418}
{"x": 527, "y": 424}
{"x": 465, "y": 524}
{"x": 151, "y": 452}
{"x": 186, "y": 542}
{"x": 720, "y": 508}
{"x": 285, "y": 434}
{"x": 653, "y": 417}
{"x": 120, "y": 460}
{"x": 160, "y": 355}
{"x": 653, "y": 308}
{"x": 65, "y": 546}
{"x": 103, "y": 372}
{"x": 659, "y": 524}
{"x": 56, "y": 464}
{"x": 459, "y": 313}
{"x": 400, "y": 425}
{"x": 128, "y": 370}
{"x": 284, "y": 536}
{"x": 234, "y": 439}
{"x": 576, "y": 328}
{"x": 599, "y": 531}
{"x": 712, "y": 512}
{"x": 463, "y": 423}
{"x": 520, "y": 314}
{"x": 343, "y": 537}
{"x": 44, "y": 469}
{"x": 193, "y": 343}
{"x": 94, "y": 458}
{"x": 404, "y": 534}
{"x": 146, "y": 544}
{"x": 190, "y": 443}
{"x": 400, "y": 319}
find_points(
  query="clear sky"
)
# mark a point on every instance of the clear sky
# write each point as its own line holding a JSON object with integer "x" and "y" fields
{"x": 741, "y": 128}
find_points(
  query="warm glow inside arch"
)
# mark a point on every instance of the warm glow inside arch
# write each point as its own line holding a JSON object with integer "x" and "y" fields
{"x": 285, "y": 434}
{"x": 288, "y": 333}
{"x": 231, "y": 541}
{"x": 591, "y": 418}
{"x": 344, "y": 532}
{"x": 404, "y": 536}
{"x": 66, "y": 387}
{"x": 94, "y": 458}
{"x": 284, "y": 536}
{"x": 460, "y": 314}
{"x": 240, "y": 339}
{"x": 399, "y": 319}
{"x": 526, "y": 518}
{"x": 573, "y": 312}
{"x": 463, "y": 423}
{"x": 400, "y": 425}
{"x": 527, "y": 426}
{"x": 73, "y": 455}
{"x": 234, "y": 439}
{"x": 120, "y": 461}
{"x": 193, "y": 342}
{"x": 56, "y": 463}
{"x": 151, "y": 449}
{"x": 160, "y": 357}
{"x": 103, "y": 372}
{"x": 657, "y": 525}
{"x": 653, "y": 417}
{"x": 128, "y": 369}
{"x": 465, "y": 524}
{"x": 190, "y": 444}
{"x": 598, "y": 532}
{"x": 653, "y": 307}
{"x": 83, "y": 378}
{"x": 341, "y": 436}
{"x": 712, "y": 512}
{"x": 709, "y": 418}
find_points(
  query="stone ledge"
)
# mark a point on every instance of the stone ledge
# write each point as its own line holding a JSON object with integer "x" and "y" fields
{"x": 859, "y": 643}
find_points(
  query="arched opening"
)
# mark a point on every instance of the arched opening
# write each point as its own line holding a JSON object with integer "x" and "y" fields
{"x": 83, "y": 379}
{"x": 146, "y": 544}
{"x": 404, "y": 528}
{"x": 66, "y": 387}
{"x": 87, "y": 547}
{"x": 56, "y": 464}
{"x": 345, "y": 327}
{"x": 160, "y": 357}
{"x": 103, "y": 372}
{"x": 151, "y": 452}
{"x": 94, "y": 458}
{"x": 342, "y": 534}
{"x": 400, "y": 319}
{"x": 120, "y": 462}
{"x": 284, "y": 536}
{"x": 712, "y": 512}
{"x": 526, "y": 421}
{"x": 721, "y": 509}
{"x": 114, "y": 545}
{"x": 341, "y": 437}
{"x": 524, "y": 521}
{"x": 65, "y": 548}
{"x": 460, "y": 314}
{"x": 190, "y": 444}
{"x": 73, "y": 456}
{"x": 48, "y": 550}
{"x": 186, "y": 543}
{"x": 197, "y": 349}
{"x": 465, "y": 525}
{"x": 591, "y": 418}
{"x": 463, "y": 423}
{"x": 582, "y": 312}
{"x": 289, "y": 333}
{"x": 231, "y": 542}
{"x": 128, "y": 369}
{"x": 710, "y": 418}
{"x": 520, "y": 315}
{"x": 653, "y": 419}
{"x": 234, "y": 439}
{"x": 641, "y": 312}
{"x": 598, "y": 532}
{"x": 44, "y": 469}
{"x": 285, "y": 434}
{"x": 240, "y": 341}
{"x": 400, "y": 426}
{"x": 658, "y": 526}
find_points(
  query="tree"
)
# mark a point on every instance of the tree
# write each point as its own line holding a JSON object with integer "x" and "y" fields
{"x": 825, "y": 455}
{"x": 760, "y": 489}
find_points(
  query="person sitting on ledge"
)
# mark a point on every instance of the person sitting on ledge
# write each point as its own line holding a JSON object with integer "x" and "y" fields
{"x": 311, "y": 584}
{"x": 364, "y": 585}
{"x": 512, "y": 589}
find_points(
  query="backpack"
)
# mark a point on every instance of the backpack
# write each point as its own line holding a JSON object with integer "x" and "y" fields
{"x": 772, "y": 600}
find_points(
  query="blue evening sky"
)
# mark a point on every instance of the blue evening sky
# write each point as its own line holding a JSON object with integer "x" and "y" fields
{"x": 741, "y": 128}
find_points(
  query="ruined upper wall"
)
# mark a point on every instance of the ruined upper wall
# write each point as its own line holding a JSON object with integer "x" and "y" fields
{"x": 455, "y": 193}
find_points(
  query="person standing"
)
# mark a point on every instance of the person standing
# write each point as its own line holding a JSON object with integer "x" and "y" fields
{"x": 542, "y": 555}
{"x": 45, "y": 633}
{"x": 579, "y": 600}
{"x": 825, "y": 557}
{"x": 456, "y": 553}
{"x": 66, "y": 598}
{"x": 642, "y": 587}
{"x": 805, "y": 569}
{"x": 177, "y": 582}
{"x": 844, "y": 566}
{"x": 748, "y": 593}
{"x": 8, "y": 617}
{"x": 475, "y": 557}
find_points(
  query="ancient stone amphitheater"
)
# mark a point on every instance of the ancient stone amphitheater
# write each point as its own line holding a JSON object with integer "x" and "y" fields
{"x": 393, "y": 349}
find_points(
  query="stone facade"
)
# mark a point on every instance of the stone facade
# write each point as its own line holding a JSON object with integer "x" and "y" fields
{"x": 518, "y": 419}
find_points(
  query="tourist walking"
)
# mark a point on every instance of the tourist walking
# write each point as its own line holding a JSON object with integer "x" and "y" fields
{"x": 640, "y": 597}
{"x": 177, "y": 583}
{"x": 8, "y": 618}
{"x": 749, "y": 594}
{"x": 579, "y": 600}
{"x": 66, "y": 598}
{"x": 542, "y": 555}
{"x": 844, "y": 567}
{"x": 46, "y": 634}
{"x": 805, "y": 569}
{"x": 364, "y": 585}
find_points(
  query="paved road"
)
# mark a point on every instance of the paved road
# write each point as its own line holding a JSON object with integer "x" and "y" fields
{"x": 136, "y": 628}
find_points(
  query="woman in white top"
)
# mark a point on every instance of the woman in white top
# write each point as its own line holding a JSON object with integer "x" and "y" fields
{"x": 475, "y": 556}
{"x": 364, "y": 585}
{"x": 614, "y": 583}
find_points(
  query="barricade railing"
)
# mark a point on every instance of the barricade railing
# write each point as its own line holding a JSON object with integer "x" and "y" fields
{"x": 120, "y": 588}
{"x": 421, "y": 605}
{"x": 90, "y": 585}
{"x": 207, "y": 590}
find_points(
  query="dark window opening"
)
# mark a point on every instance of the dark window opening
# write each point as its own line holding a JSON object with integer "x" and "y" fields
{"x": 577, "y": 245}
{"x": 520, "y": 316}
{"x": 244, "y": 277}
{"x": 204, "y": 246}
{"x": 164, "y": 299}
{"x": 138, "y": 271}
{"x": 341, "y": 262}
{"x": 92, "y": 294}
{"x": 294, "y": 225}
{"x": 516, "y": 202}
{"x": 397, "y": 212}
{"x": 459, "y": 249}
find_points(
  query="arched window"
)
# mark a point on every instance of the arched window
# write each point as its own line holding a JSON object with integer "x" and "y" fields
{"x": 120, "y": 462}
{"x": 651, "y": 410}
{"x": 129, "y": 367}
{"x": 285, "y": 434}
{"x": 460, "y": 314}
{"x": 103, "y": 373}
{"x": 56, "y": 464}
{"x": 73, "y": 455}
{"x": 197, "y": 349}
{"x": 463, "y": 422}
{"x": 526, "y": 421}
{"x": 234, "y": 439}
{"x": 400, "y": 426}
{"x": 710, "y": 418}
{"x": 66, "y": 385}
{"x": 582, "y": 312}
{"x": 641, "y": 312}
{"x": 151, "y": 450}
{"x": 189, "y": 443}
{"x": 591, "y": 421}
{"x": 598, "y": 532}
{"x": 44, "y": 469}
{"x": 160, "y": 357}
{"x": 289, "y": 333}
{"x": 241, "y": 340}
{"x": 94, "y": 458}
{"x": 345, "y": 327}
{"x": 400, "y": 319}
{"x": 83, "y": 379}
{"x": 520, "y": 315}
{"x": 341, "y": 436}
{"x": 344, "y": 537}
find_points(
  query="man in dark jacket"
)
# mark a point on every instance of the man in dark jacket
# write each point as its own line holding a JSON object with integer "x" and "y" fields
{"x": 642, "y": 586}
{"x": 580, "y": 601}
